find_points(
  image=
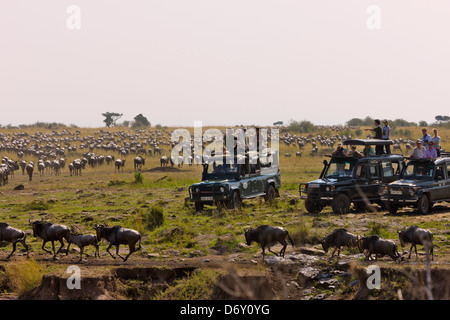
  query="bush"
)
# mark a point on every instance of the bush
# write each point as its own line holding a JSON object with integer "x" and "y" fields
{"x": 24, "y": 275}
{"x": 138, "y": 177}
{"x": 36, "y": 205}
{"x": 154, "y": 218}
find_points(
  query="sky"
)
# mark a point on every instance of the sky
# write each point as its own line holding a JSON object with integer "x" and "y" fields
{"x": 223, "y": 62}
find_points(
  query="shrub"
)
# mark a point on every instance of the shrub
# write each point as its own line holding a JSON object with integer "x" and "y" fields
{"x": 154, "y": 217}
{"x": 138, "y": 177}
{"x": 24, "y": 275}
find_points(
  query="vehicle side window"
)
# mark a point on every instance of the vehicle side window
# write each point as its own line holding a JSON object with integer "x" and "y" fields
{"x": 374, "y": 170}
{"x": 448, "y": 171}
{"x": 388, "y": 170}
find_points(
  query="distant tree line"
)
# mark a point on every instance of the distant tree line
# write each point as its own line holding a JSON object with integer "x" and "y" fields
{"x": 111, "y": 118}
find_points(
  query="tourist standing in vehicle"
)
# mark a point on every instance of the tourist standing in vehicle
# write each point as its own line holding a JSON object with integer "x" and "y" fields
{"x": 386, "y": 136}
{"x": 419, "y": 150}
{"x": 436, "y": 142}
{"x": 425, "y": 138}
{"x": 378, "y": 135}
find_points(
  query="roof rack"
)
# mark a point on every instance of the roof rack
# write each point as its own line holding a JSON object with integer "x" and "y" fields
{"x": 367, "y": 142}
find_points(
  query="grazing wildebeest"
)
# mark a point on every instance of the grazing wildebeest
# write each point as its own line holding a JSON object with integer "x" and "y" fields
{"x": 378, "y": 246}
{"x": 71, "y": 168}
{"x": 82, "y": 241}
{"x": 268, "y": 236}
{"x": 337, "y": 239}
{"x": 164, "y": 161}
{"x": 138, "y": 163}
{"x": 10, "y": 234}
{"x": 50, "y": 232}
{"x": 30, "y": 169}
{"x": 415, "y": 236}
{"x": 118, "y": 235}
{"x": 119, "y": 163}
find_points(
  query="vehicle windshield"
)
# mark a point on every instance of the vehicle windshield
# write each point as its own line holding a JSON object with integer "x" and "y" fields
{"x": 218, "y": 170}
{"x": 419, "y": 170}
{"x": 340, "y": 168}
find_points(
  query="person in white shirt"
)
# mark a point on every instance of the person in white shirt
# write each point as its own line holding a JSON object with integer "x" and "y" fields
{"x": 418, "y": 151}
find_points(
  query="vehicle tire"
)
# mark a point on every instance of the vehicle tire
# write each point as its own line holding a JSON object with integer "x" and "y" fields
{"x": 271, "y": 193}
{"x": 235, "y": 201}
{"x": 313, "y": 207}
{"x": 423, "y": 204}
{"x": 198, "y": 206}
{"x": 341, "y": 204}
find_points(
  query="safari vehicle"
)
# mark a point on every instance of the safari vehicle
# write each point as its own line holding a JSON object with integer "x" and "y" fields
{"x": 351, "y": 179}
{"x": 423, "y": 182}
{"x": 226, "y": 183}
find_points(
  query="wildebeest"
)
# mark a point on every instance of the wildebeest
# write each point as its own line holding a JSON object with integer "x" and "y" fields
{"x": 138, "y": 162}
{"x": 30, "y": 169}
{"x": 337, "y": 239}
{"x": 10, "y": 234}
{"x": 378, "y": 246}
{"x": 268, "y": 236}
{"x": 415, "y": 236}
{"x": 118, "y": 235}
{"x": 119, "y": 163}
{"x": 164, "y": 161}
{"x": 82, "y": 241}
{"x": 50, "y": 232}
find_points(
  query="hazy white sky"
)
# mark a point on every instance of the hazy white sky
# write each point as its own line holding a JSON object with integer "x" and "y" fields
{"x": 224, "y": 62}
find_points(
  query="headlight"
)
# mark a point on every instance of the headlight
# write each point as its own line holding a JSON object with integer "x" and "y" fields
{"x": 222, "y": 189}
{"x": 412, "y": 192}
{"x": 197, "y": 190}
{"x": 327, "y": 189}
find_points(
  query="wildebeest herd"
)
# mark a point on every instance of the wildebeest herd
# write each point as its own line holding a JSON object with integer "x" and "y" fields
{"x": 268, "y": 236}
{"x": 49, "y": 232}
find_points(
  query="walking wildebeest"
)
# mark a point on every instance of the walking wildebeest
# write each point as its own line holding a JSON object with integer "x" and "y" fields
{"x": 82, "y": 241}
{"x": 118, "y": 235}
{"x": 337, "y": 239}
{"x": 50, "y": 232}
{"x": 30, "y": 169}
{"x": 13, "y": 235}
{"x": 378, "y": 246}
{"x": 415, "y": 236}
{"x": 268, "y": 236}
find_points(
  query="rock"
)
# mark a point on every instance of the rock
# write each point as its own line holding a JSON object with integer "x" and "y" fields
{"x": 153, "y": 255}
{"x": 306, "y": 276}
{"x": 79, "y": 192}
{"x": 328, "y": 284}
{"x": 19, "y": 187}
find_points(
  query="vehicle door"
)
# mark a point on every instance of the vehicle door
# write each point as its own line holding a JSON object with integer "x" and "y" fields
{"x": 375, "y": 179}
{"x": 441, "y": 187}
{"x": 362, "y": 180}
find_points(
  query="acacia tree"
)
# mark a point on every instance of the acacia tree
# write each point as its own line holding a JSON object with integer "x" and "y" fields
{"x": 141, "y": 121}
{"x": 111, "y": 118}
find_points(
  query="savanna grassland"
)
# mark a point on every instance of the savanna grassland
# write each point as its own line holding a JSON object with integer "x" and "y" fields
{"x": 156, "y": 203}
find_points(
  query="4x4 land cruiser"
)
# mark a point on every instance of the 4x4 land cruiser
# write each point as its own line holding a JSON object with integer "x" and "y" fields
{"x": 422, "y": 183}
{"x": 228, "y": 183}
{"x": 351, "y": 179}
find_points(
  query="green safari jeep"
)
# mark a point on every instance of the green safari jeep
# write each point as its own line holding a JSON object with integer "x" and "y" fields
{"x": 225, "y": 182}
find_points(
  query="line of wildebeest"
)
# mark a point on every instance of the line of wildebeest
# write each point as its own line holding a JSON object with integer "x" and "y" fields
{"x": 266, "y": 236}
{"x": 52, "y": 148}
